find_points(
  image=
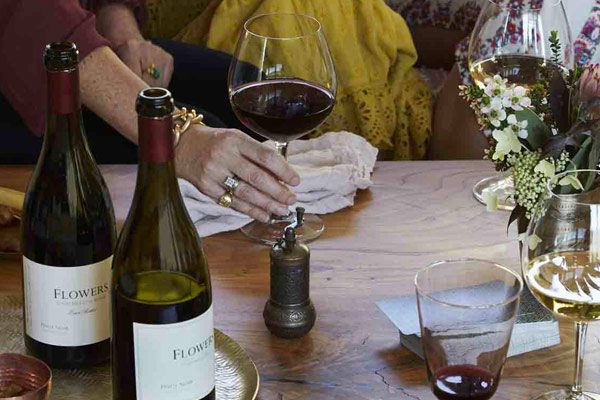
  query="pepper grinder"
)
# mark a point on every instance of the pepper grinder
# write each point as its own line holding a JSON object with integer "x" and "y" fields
{"x": 289, "y": 313}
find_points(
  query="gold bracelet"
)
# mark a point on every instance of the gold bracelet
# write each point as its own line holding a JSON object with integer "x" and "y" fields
{"x": 183, "y": 119}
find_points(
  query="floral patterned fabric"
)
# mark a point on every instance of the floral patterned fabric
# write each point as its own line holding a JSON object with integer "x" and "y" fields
{"x": 449, "y": 14}
{"x": 583, "y": 15}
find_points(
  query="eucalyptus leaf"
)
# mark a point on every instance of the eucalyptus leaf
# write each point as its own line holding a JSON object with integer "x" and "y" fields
{"x": 517, "y": 214}
{"x": 537, "y": 131}
{"x": 579, "y": 158}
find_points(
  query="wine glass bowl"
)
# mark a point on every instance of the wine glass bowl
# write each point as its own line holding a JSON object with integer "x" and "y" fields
{"x": 467, "y": 310}
{"x": 282, "y": 86}
{"x": 561, "y": 264}
{"x": 512, "y": 39}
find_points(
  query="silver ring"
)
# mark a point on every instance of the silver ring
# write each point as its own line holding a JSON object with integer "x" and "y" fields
{"x": 231, "y": 183}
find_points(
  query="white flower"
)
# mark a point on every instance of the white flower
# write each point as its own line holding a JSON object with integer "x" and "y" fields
{"x": 544, "y": 101}
{"x": 534, "y": 241}
{"x": 495, "y": 111}
{"x": 519, "y": 128}
{"x": 490, "y": 198}
{"x": 494, "y": 87}
{"x": 554, "y": 131}
{"x": 516, "y": 98}
{"x": 507, "y": 142}
{"x": 572, "y": 180}
{"x": 546, "y": 168}
{"x": 493, "y": 103}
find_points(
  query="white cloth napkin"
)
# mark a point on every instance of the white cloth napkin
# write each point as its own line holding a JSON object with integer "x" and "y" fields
{"x": 331, "y": 168}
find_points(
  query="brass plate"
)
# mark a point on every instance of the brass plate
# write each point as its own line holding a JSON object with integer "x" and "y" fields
{"x": 236, "y": 375}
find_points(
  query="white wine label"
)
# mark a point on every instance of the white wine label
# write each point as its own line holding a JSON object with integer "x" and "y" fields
{"x": 67, "y": 306}
{"x": 175, "y": 361}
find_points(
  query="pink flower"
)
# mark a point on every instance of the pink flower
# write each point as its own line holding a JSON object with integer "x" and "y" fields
{"x": 589, "y": 84}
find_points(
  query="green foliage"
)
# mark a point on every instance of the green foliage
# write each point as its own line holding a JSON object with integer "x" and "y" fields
{"x": 538, "y": 131}
{"x": 555, "y": 47}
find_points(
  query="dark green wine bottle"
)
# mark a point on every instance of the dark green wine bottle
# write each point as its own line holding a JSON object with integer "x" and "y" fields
{"x": 163, "y": 340}
{"x": 68, "y": 232}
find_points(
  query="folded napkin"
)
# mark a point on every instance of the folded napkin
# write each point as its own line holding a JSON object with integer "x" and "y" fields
{"x": 331, "y": 168}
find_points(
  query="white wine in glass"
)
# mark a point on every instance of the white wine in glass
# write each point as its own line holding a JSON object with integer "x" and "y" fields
{"x": 567, "y": 283}
{"x": 561, "y": 266}
{"x": 522, "y": 70}
{"x": 512, "y": 39}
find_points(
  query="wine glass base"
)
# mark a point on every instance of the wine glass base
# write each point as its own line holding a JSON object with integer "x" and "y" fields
{"x": 269, "y": 233}
{"x": 564, "y": 394}
{"x": 502, "y": 186}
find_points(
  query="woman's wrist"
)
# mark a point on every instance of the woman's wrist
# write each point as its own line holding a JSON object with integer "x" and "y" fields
{"x": 117, "y": 23}
{"x": 109, "y": 89}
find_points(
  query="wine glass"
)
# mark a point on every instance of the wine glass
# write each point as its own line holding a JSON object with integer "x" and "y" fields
{"x": 561, "y": 265}
{"x": 512, "y": 39}
{"x": 467, "y": 310}
{"x": 282, "y": 85}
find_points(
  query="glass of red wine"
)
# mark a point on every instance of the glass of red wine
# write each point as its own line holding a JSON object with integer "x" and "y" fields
{"x": 467, "y": 310}
{"x": 282, "y": 86}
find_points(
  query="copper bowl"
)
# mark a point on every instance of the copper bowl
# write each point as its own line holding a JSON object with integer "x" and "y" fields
{"x": 24, "y": 378}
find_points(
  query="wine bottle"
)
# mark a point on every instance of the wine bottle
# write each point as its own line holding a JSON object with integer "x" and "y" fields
{"x": 163, "y": 338}
{"x": 68, "y": 232}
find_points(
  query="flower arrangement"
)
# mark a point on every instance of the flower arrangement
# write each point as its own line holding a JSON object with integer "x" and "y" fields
{"x": 536, "y": 132}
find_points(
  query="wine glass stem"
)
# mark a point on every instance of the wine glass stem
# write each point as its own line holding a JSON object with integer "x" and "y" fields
{"x": 580, "y": 336}
{"x": 282, "y": 150}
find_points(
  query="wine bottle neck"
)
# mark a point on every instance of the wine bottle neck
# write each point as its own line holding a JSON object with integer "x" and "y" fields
{"x": 64, "y": 128}
{"x": 155, "y": 140}
{"x": 156, "y": 180}
{"x": 63, "y": 92}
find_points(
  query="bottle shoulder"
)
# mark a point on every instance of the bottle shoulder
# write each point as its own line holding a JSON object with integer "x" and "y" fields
{"x": 159, "y": 239}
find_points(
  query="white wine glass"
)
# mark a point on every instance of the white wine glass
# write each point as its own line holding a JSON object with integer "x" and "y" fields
{"x": 561, "y": 265}
{"x": 512, "y": 39}
{"x": 282, "y": 86}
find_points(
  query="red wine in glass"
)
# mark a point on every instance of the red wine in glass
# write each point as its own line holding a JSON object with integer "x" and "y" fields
{"x": 282, "y": 109}
{"x": 463, "y": 382}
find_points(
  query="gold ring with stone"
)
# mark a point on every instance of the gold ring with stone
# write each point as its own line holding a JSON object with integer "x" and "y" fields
{"x": 153, "y": 71}
{"x": 225, "y": 200}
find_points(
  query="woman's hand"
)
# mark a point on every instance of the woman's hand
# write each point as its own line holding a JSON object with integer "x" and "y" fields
{"x": 139, "y": 54}
{"x": 207, "y": 156}
{"x": 117, "y": 23}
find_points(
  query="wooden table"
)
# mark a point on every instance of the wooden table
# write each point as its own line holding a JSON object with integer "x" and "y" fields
{"x": 415, "y": 213}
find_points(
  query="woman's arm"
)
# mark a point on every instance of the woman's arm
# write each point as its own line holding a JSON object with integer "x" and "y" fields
{"x": 116, "y": 22}
{"x": 109, "y": 88}
{"x": 204, "y": 156}
{"x": 26, "y": 26}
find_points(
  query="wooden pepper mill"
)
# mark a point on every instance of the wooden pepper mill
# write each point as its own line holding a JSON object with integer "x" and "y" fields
{"x": 289, "y": 313}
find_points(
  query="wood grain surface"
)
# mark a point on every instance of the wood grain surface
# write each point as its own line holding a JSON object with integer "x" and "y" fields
{"x": 415, "y": 213}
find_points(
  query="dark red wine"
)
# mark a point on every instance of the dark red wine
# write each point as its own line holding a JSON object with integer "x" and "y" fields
{"x": 463, "y": 382}
{"x": 282, "y": 109}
